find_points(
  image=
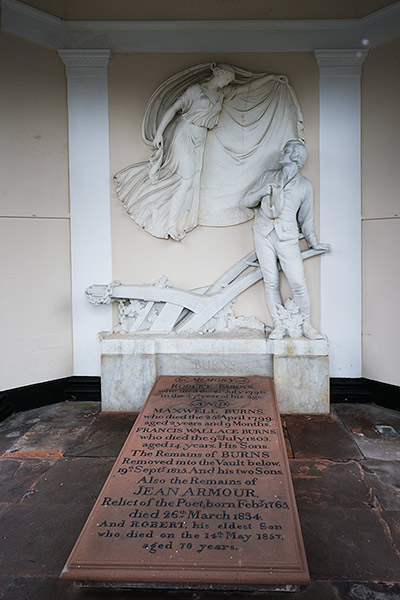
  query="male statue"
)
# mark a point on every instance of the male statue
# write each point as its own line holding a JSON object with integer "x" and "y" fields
{"x": 283, "y": 200}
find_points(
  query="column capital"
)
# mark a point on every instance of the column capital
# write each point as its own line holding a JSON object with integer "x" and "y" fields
{"x": 340, "y": 63}
{"x": 85, "y": 63}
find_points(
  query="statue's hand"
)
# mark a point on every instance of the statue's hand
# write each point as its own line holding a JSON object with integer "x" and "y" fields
{"x": 158, "y": 140}
{"x": 322, "y": 247}
{"x": 267, "y": 190}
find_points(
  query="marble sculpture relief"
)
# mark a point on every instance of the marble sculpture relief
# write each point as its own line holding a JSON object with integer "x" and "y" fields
{"x": 216, "y": 132}
{"x": 282, "y": 200}
{"x": 211, "y": 129}
{"x": 161, "y": 308}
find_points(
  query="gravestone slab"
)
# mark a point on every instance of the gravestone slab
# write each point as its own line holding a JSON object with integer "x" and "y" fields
{"x": 200, "y": 495}
{"x": 132, "y": 362}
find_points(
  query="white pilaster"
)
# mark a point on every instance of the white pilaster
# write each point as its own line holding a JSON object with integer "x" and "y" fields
{"x": 340, "y": 206}
{"x": 89, "y": 175}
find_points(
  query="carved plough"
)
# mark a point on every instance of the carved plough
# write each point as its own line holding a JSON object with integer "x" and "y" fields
{"x": 160, "y": 308}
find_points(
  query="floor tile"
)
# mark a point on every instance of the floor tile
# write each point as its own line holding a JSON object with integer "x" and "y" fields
{"x": 52, "y": 429}
{"x": 36, "y": 542}
{"x": 71, "y": 481}
{"x": 347, "y": 504}
{"x": 361, "y": 420}
{"x": 16, "y": 425}
{"x": 348, "y": 545}
{"x": 368, "y": 591}
{"x": 51, "y": 589}
{"x": 105, "y": 436}
{"x": 28, "y": 589}
{"x": 18, "y": 476}
{"x": 392, "y": 518}
{"x": 288, "y": 445}
{"x": 384, "y": 478}
{"x": 325, "y": 483}
{"x": 320, "y": 436}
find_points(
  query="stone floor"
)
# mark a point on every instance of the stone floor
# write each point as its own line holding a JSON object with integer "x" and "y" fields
{"x": 54, "y": 460}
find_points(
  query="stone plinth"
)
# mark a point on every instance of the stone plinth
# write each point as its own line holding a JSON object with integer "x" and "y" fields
{"x": 301, "y": 375}
{"x": 131, "y": 363}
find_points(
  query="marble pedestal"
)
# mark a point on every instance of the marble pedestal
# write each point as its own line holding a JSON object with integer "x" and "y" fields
{"x": 131, "y": 363}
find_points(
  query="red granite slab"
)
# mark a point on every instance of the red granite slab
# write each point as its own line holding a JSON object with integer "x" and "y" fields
{"x": 200, "y": 494}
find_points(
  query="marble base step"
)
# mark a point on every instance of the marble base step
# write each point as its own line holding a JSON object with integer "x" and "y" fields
{"x": 131, "y": 363}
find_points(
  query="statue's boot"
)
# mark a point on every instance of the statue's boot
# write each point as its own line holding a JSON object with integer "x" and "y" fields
{"x": 277, "y": 333}
{"x": 310, "y": 332}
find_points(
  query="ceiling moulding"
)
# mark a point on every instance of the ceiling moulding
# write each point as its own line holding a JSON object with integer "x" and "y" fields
{"x": 32, "y": 24}
{"x": 85, "y": 63}
{"x": 340, "y": 63}
{"x": 201, "y": 36}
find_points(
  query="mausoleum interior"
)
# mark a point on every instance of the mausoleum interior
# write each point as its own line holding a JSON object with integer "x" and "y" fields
{"x": 105, "y": 289}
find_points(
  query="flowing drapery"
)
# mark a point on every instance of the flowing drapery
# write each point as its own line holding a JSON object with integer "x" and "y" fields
{"x": 259, "y": 114}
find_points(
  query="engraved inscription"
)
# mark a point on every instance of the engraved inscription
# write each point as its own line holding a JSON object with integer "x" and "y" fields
{"x": 202, "y": 481}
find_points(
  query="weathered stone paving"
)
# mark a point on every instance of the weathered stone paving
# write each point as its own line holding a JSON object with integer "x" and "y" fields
{"x": 349, "y": 503}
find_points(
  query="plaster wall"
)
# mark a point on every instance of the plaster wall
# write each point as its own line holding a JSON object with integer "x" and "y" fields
{"x": 36, "y": 340}
{"x": 381, "y": 213}
{"x": 206, "y": 252}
